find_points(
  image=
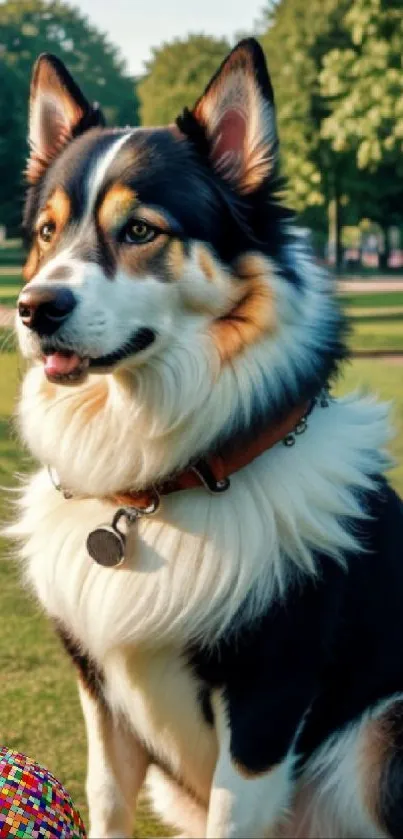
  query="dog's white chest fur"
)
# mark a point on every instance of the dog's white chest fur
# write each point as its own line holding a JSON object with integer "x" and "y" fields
{"x": 158, "y": 694}
{"x": 189, "y": 568}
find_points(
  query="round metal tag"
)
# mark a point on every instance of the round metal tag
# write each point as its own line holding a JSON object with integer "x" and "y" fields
{"x": 106, "y": 546}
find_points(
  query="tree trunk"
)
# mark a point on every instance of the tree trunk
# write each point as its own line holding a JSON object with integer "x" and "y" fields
{"x": 335, "y": 223}
{"x": 338, "y": 226}
{"x": 384, "y": 255}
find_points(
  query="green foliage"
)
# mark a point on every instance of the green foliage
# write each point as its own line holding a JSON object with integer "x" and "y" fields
{"x": 28, "y": 28}
{"x": 12, "y": 144}
{"x": 337, "y": 73}
{"x": 298, "y": 35}
{"x": 177, "y": 75}
{"x": 364, "y": 83}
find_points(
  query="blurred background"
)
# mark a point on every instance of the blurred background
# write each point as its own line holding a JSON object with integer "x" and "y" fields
{"x": 336, "y": 67}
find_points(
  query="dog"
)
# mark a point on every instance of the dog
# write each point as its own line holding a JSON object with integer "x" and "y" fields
{"x": 210, "y": 531}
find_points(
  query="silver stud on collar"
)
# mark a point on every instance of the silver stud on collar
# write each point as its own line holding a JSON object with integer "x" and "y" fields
{"x": 323, "y": 400}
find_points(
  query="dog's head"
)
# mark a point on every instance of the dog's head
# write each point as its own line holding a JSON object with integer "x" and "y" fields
{"x": 135, "y": 232}
{"x": 154, "y": 246}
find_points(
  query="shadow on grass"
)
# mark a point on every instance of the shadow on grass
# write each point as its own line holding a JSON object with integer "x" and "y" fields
{"x": 378, "y": 317}
{"x": 9, "y": 300}
{"x": 11, "y": 256}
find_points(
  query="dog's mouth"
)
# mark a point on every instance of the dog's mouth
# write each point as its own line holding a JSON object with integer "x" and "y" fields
{"x": 64, "y": 364}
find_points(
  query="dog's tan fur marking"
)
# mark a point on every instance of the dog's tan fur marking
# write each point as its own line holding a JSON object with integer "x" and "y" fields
{"x": 96, "y": 401}
{"x": 116, "y": 207}
{"x": 248, "y": 774}
{"x": 206, "y": 263}
{"x": 375, "y": 746}
{"x": 253, "y": 317}
{"x": 176, "y": 259}
{"x": 57, "y": 211}
{"x": 146, "y": 259}
{"x": 31, "y": 266}
{"x": 59, "y": 208}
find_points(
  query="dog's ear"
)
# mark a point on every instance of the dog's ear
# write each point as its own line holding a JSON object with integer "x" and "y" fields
{"x": 235, "y": 118}
{"x": 58, "y": 111}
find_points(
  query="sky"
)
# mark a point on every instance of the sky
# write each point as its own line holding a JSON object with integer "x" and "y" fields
{"x": 137, "y": 25}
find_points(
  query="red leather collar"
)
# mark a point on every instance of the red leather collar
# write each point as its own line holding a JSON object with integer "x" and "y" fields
{"x": 214, "y": 471}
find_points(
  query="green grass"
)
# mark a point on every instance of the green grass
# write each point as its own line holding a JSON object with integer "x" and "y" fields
{"x": 39, "y": 708}
{"x": 10, "y": 286}
{"x": 373, "y": 299}
{"x": 374, "y": 333}
{"x": 9, "y": 294}
{"x": 11, "y": 253}
{"x": 376, "y": 320}
{"x": 385, "y": 380}
{"x": 9, "y": 291}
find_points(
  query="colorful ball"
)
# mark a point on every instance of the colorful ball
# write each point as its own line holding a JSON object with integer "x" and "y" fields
{"x": 33, "y": 803}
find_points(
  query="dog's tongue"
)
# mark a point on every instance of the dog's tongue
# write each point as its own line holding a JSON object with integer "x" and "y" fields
{"x": 61, "y": 363}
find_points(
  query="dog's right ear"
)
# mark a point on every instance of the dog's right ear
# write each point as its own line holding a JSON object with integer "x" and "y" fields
{"x": 233, "y": 123}
{"x": 58, "y": 111}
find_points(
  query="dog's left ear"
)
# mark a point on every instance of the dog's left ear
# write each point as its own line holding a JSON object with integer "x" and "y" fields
{"x": 237, "y": 118}
{"x": 58, "y": 111}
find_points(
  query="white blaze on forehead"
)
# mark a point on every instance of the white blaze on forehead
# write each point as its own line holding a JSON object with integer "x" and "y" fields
{"x": 99, "y": 170}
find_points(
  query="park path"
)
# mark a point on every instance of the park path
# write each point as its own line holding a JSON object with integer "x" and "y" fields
{"x": 10, "y": 271}
{"x": 382, "y": 284}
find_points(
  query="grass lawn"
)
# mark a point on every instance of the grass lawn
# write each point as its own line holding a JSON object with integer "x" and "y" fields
{"x": 373, "y": 299}
{"x": 10, "y": 287}
{"x": 375, "y": 333}
{"x": 11, "y": 253}
{"x": 376, "y": 320}
{"x": 9, "y": 294}
{"x": 39, "y": 711}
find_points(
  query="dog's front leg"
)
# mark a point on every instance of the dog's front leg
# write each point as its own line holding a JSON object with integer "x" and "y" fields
{"x": 243, "y": 804}
{"x": 117, "y": 764}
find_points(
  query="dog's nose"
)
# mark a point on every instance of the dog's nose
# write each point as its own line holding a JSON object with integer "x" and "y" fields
{"x": 45, "y": 309}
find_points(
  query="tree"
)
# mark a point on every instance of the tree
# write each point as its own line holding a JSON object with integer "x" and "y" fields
{"x": 363, "y": 84}
{"x": 297, "y": 37}
{"x": 27, "y": 28}
{"x": 177, "y": 75}
{"x": 12, "y": 146}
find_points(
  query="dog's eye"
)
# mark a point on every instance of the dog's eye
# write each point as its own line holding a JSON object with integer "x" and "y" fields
{"x": 138, "y": 232}
{"x": 46, "y": 232}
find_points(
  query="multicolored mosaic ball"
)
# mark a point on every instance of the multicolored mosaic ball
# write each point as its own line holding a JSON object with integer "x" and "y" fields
{"x": 33, "y": 803}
